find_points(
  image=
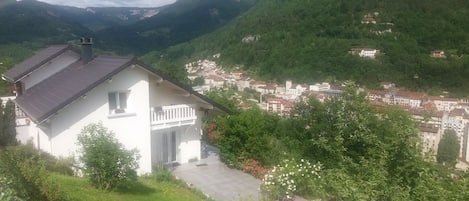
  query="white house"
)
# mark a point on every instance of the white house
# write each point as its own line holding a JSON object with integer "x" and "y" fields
{"x": 365, "y": 52}
{"x": 61, "y": 91}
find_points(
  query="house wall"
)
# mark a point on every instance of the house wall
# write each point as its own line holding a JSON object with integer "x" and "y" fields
{"x": 189, "y": 146}
{"x": 50, "y": 68}
{"x": 131, "y": 128}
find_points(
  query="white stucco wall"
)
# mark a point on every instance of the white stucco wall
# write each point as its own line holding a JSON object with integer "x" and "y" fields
{"x": 189, "y": 136}
{"x": 131, "y": 129}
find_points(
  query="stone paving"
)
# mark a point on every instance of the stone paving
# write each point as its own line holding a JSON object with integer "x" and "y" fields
{"x": 218, "y": 181}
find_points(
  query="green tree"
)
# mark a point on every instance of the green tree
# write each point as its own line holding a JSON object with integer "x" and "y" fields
{"x": 107, "y": 164}
{"x": 198, "y": 81}
{"x": 9, "y": 124}
{"x": 224, "y": 97}
{"x": 23, "y": 174}
{"x": 249, "y": 135}
{"x": 448, "y": 148}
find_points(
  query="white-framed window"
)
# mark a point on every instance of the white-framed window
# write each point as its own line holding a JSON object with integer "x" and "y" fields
{"x": 118, "y": 102}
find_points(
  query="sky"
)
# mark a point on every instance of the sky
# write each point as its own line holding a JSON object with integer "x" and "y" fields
{"x": 110, "y": 3}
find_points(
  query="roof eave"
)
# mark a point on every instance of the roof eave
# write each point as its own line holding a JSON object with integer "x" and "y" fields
{"x": 184, "y": 87}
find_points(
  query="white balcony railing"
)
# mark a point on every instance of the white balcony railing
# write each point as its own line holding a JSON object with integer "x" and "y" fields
{"x": 172, "y": 115}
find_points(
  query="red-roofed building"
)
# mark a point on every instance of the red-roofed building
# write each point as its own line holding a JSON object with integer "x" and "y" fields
{"x": 408, "y": 98}
{"x": 214, "y": 81}
{"x": 443, "y": 104}
{"x": 438, "y": 54}
{"x": 369, "y": 20}
{"x": 279, "y": 105}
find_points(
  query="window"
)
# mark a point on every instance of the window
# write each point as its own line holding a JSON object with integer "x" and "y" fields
{"x": 117, "y": 102}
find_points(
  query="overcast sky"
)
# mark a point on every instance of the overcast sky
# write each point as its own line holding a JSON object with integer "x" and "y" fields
{"x": 110, "y": 3}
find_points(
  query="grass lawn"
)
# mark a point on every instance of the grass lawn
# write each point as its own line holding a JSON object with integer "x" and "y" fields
{"x": 79, "y": 189}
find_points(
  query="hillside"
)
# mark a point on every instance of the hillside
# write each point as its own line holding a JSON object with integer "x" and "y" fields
{"x": 35, "y": 21}
{"x": 177, "y": 23}
{"x": 309, "y": 41}
{"x": 122, "y": 30}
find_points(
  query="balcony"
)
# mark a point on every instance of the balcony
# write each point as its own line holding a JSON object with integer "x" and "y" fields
{"x": 172, "y": 116}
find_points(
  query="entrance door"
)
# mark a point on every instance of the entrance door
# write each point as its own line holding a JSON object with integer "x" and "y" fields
{"x": 168, "y": 143}
{"x": 164, "y": 146}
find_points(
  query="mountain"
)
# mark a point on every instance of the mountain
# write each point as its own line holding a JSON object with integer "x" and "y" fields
{"x": 98, "y": 18}
{"x": 310, "y": 41}
{"x": 31, "y": 20}
{"x": 176, "y": 23}
{"x": 121, "y": 30}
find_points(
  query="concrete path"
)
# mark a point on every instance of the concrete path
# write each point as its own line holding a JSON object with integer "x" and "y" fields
{"x": 218, "y": 181}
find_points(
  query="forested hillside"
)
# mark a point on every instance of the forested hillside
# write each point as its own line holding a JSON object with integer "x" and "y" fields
{"x": 32, "y": 21}
{"x": 180, "y": 22}
{"x": 309, "y": 41}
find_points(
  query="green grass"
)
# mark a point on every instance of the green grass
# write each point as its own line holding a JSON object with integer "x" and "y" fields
{"x": 79, "y": 189}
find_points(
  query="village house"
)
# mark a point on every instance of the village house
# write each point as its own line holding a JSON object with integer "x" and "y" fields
{"x": 457, "y": 120}
{"x": 365, "y": 52}
{"x": 214, "y": 81}
{"x": 243, "y": 83}
{"x": 387, "y": 85}
{"x": 320, "y": 87}
{"x": 294, "y": 89}
{"x": 61, "y": 90}
{"x": 438, "y": 54}
{"x": 268, "y": 89}
{"x": 257, "y": 85}
{"x": 408, "y": 98}
{"x": 279, "y": 106}
{"x": 442, "y": 103}
{"x": 368, "y": 20}
{"x": 376, "y": 95}
{"x": 430, "y": 138}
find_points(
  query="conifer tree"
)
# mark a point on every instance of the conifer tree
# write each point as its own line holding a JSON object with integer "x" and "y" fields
{"x": 7, "y": 124}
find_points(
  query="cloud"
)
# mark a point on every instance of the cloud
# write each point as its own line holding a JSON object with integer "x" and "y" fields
{"x": 110, "y": 3}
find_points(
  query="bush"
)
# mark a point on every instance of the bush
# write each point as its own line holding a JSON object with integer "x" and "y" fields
{"x": 106, "y": 162}
{"x": 162, "y": 174}
{"x": 25, "y": 176}
{"x": 288, "y": 178}
{"x": 7, "y": 192}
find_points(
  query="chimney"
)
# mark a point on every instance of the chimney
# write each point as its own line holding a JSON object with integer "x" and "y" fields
{"x": 86, "y": 49}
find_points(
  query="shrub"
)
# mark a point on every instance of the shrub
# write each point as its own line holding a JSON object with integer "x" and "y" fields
{"x": 254, "y": 168}
{"x": 288, "y": 178}
{"x": 106, "y": 162}
{"x": 7, "y": 192}
{"x": 25, "y": 176}
{"x": 162, "y": 174}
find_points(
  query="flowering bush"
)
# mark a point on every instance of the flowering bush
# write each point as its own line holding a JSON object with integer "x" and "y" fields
{"x": 283, "y": 181}
{"x": 254, "y": 168}
{"x": 213, "y": 132}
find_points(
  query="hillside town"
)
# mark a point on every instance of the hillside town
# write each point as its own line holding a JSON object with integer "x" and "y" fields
{"x": 434, "y": 113}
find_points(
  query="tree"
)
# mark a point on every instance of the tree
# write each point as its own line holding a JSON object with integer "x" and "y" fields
{"x": 448, "y": 148}
{"x": 106, "y": 162}
{"x": 8, "y": 124}
{"x": 198, "y": 81}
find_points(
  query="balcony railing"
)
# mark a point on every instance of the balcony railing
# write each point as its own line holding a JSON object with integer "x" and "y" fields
{"x": 172, "y": 115}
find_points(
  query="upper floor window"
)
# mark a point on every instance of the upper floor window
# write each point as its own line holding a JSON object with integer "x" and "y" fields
{"x": 118, "y": 102}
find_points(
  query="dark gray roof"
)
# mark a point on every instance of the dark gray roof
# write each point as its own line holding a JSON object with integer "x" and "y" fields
{"x": 51, "y": 95}
{"x": 59, "y": 90}
{"x": 27, "y": 66}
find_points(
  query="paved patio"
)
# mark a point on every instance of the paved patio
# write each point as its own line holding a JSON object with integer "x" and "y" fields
{"x": 218, "y": 181}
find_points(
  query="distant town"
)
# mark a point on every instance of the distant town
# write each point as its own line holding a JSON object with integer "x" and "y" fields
{"x": 434, "y": 113}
